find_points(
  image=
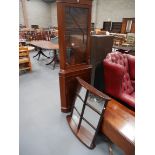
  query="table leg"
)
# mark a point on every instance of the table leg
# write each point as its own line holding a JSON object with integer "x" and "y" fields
{"x": 55, "y": 59}
{"x": 36, "y": 55}
{"x": 40, "y": 52}
{"x": 44, "y": 55}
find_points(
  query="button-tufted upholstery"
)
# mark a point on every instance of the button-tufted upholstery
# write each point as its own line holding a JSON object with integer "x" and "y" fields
{"x": 119, "y": 76}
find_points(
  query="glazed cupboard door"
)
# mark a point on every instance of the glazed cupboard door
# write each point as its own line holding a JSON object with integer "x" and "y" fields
{"x": 74, "y": 22}
{"x": 76, "y": 32}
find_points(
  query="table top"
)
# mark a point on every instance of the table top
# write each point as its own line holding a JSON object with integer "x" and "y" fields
{"x": 44, "y": 44}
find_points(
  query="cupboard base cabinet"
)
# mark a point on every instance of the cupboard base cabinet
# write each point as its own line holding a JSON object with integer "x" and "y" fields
{"x": 68, "y": 85}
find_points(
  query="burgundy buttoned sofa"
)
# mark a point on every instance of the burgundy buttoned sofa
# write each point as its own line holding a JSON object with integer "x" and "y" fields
{"x": 119, "y": 77}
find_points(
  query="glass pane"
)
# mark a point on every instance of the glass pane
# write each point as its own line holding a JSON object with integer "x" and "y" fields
{"x": 75, "y": 117}
{"x": 91, "y": 116}
{"x": 78, "y": 104}
{"x": 76, "y": 34}
{"x": 88, "y": 128}
{"x": 82, "y": 93}
{"x": 96, "y": 101}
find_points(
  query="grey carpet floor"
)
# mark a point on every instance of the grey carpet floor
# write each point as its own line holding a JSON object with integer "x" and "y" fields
{"x": 43, "y": 127}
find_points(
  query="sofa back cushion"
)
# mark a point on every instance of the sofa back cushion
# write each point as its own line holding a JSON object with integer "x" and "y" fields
{"x": 122, "y": 59}
{"x": 118, "y": 58}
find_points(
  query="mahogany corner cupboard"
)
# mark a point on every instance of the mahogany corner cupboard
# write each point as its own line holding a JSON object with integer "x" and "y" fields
{"x": 74, "y": 26}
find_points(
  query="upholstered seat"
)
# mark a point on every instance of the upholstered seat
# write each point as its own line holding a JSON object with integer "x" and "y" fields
{"x": 119, "y": 77}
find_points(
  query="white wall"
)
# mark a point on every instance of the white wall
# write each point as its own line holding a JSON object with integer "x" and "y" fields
{"x": 54, "y": 14}
{"x": 45, "y": 14}
{"x": 38, "y": 12}
{"x": 21, "y": 20}
{"x": 94, "y": 11}
{"x": 103, "y": 10}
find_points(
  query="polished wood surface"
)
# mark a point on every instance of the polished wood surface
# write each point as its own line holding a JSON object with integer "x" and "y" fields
{"x": 68, "y": 85}
{"x": 70, "y": 27}
{"x": 119, "y": 126}
{"x": 43, "y": 44}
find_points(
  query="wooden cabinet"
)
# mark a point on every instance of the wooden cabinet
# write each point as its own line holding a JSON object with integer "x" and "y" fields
{"x": 74, "y": 25}
{"x": 128, "y": 25}
{"x": 101, "y": 45}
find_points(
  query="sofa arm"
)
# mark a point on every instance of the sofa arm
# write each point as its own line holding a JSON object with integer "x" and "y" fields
{"x": 113, "y": 76}
{"x": 128, "y": 99}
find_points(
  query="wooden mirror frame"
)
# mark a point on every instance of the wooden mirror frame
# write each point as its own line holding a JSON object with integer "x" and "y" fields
{"x": 81, "y": 132}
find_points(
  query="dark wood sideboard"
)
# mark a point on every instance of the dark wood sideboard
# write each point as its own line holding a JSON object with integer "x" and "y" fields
{"x": 101, "y": 45}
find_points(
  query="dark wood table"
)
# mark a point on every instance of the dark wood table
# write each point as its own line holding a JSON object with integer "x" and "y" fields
{"x": 119, "y": 126}
{"x": 46, "y": 45}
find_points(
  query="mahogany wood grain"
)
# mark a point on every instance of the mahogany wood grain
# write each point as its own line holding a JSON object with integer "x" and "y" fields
{"x": 68, "y": 85}
{"x": 68, "y": 72}
{"x": 119, "y": 126}
{"x": 43, "y": 44}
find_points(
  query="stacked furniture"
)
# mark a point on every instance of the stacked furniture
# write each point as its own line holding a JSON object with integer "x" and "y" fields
{"x": 37, "y": 34}
{"x": 130, "y": 39}
{"x": 116, "y": 27}
{"x": 24, "y": 59}
{"x": 107, "y": 25}
{"x": 119, "y": 77}
{"x": 128, "y": 25}
{"x": 119, "y": 39}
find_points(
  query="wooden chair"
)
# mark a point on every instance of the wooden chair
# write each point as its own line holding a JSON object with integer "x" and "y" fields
{"x": 24, "y": 59}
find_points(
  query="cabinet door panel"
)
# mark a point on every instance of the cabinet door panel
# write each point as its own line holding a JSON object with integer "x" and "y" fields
{"x": 76, "y": 31}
